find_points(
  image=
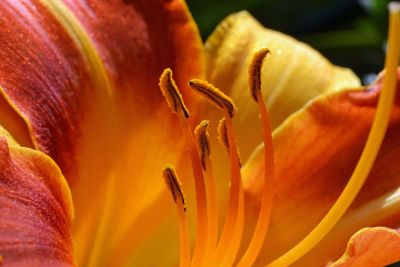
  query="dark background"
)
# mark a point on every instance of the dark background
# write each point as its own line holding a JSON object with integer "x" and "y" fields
{"x": 350, "y": 33}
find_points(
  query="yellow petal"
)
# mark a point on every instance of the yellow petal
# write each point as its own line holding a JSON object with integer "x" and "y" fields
{"x": 293, "y": 74}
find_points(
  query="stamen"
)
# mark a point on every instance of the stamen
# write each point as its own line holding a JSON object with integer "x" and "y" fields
{"x": 255, "y": 72}
{"x": 216, "y": 96}
{"x": 174, "y": 185}
{"x": 369, "y": 154}
{"x": 231, "y": 237}
{"x": 223, "y": 134}
{"x": 171, "y": 93}
{"x": 233, "y": 228}
{"x": 264, "y": 216}
{"x": 201, "y": 134}
{"x": 223, "y": 138}
{"x": 175, "y": 188}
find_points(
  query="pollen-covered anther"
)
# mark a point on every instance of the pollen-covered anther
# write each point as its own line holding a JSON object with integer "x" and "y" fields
{"x": 223, "y": 134}
{"x": 255, "y": 72}
{"x": 171, "y": 93}
{"x": 216, "y": 96}
{"x": 174, "y": 185}
{"x": 203, "y": 143}
{"x": 223, "y": 138}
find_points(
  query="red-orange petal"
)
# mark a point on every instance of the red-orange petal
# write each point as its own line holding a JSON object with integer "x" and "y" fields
{"x": 44, "y": 78}
{"x": 371, "y": 247}
{"x": 316, "y": 151}
{"x": 35, "y": 209}
{"x": 110, "y": 138}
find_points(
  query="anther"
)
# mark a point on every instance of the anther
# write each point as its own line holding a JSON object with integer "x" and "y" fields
{"x": 174, "y": 185}
{"x": 216, "y": 96}
{"x": 201, "y": 135}
{"x": 255, "y": 72}
{"x": 223, "y": 138}
{"x": 175, "y": 188}
{"x": 171, "y": 93}
{"x": 223, "y": 134}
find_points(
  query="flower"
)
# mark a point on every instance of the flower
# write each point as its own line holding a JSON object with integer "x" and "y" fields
{"x": 86, "y": 134}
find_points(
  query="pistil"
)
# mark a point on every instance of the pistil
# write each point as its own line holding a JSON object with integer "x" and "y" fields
{"x": 369, "y": 154}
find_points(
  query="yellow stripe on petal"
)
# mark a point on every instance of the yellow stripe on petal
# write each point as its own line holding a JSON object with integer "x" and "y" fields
{"x": 81, "y": 38}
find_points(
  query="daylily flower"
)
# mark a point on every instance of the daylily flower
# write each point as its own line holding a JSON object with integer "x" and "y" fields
{"x": 86, "y": 134}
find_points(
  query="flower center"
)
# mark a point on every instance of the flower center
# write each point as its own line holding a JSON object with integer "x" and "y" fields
{"x": 211, "y": 250}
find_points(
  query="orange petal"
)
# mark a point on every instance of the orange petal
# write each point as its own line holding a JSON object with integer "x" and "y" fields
{"x": 316, "y": 150}
{"x": 371, "y": 247}
{"x": 84, "y": 77}
{"x": 35, "y": 208}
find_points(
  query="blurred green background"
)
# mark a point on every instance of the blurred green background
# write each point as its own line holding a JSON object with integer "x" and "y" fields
{"x": 350, "y": 33}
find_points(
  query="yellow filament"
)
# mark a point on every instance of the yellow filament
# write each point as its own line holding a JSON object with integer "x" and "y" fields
{"x": 264, "y": 216}
{"x": 175, "y": 187}
{"x": 368, "y": 155}
{"x": 231, "y": 237}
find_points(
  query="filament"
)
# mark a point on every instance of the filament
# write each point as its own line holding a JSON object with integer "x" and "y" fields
{"x": 229, "y": 243}
{"x": 201, "y": 197}
{"x": 201, "y": 135}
